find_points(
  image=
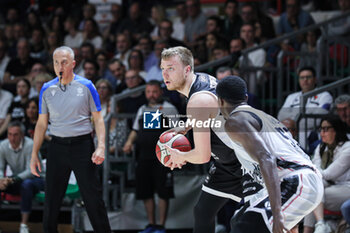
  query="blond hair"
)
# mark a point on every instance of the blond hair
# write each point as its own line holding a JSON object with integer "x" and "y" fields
{"x": 183, "y": 53}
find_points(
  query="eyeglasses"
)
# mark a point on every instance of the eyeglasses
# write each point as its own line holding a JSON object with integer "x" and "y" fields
{"x": 324, "y": 128}
{"x": 306, "y": 77}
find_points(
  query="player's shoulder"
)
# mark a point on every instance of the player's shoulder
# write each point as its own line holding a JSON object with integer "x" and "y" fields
{"x": 85, "y": 82}
{"x": 49, "y": 84}
{"x": 203, "y": 99}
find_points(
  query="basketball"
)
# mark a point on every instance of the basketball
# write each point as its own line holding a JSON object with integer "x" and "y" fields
{"x": 177, "y": 141}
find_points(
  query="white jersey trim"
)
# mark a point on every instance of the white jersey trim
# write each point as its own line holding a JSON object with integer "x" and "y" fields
{"x": 220, "y": 194}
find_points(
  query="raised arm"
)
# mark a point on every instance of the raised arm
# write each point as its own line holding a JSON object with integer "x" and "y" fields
{"x": 244, "y": 129}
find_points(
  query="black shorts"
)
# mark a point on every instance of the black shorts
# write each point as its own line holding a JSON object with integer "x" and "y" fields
{"x": 152, "y": 177}
{"x": 223, "y": 181}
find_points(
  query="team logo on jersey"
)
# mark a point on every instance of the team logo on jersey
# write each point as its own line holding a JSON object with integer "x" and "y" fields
{"x": 80, "y": 91}
{"x": 151, "y": 120}
{"x": 53, "y": 92}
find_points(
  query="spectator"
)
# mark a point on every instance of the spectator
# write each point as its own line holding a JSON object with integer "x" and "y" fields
{"x": 37, "y": 46}
{"x": 56, "y": 24}
{"x": 87, "y": 51}
{"x": 102, "y": 61}
{"x": 292, "y": 20}
{"x": 17, "y": 108}
{"x": 89, "y": 12}
{"x": 256, "y": 57}
{"x": 310, "y": 47}
{"x": 117, "y": 69}
{"x": 151, "y": 176}
{"x": 37, "y": 68}
{"x": 118, "y": 131}
{"x": 264, "y": 28}
{"x": 232, "y": 21}
{"x": 225, "y": 71}
{"x": 135, "y": 62}
{"x": 39, "y": 81}
{"x": 342, "y": 104}
{"x": 165, "y": 31}
{"x": 91, "y": 34}
{"x": 114, "y": 27}
{"x": 155, "y": 73}
{"x": 145, "y": 45}
{"x": 136, "y": 24}
{"x": 213, "y": 24}
{"x": 91, "y": 70}
{"x": 15, "y": 152}
{"x": 212, "y": 40}
{"x": 195, "y": 22}
{"x": 123, "y": 48}
{"x": 133, "y": 102}
{"x": 332, "y": 158}
{"x": 104, "y": 90}
{"x": 340, "y": 27}
{"x": 5, "y": 103}
{"x": 179, "y": 22}
{"x": 18, "y": 67}
{"x": 4, "y": 59}
{"x": 31, "y": 116}
{"x": 158, "y": 14}
{"x": 33, "y": 21}
{"x": 117, "y": 16}
{"x": 319, "y": 104}
{"x": 74, "y": 38}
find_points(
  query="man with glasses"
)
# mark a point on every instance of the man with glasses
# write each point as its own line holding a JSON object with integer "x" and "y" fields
{"x": 318, "y": 104}
{"x": 342, "y": 105}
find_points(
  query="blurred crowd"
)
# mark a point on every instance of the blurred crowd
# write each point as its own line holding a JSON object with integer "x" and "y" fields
{"x": 118, "y": 44}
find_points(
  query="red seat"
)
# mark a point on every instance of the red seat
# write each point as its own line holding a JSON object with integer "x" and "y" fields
{"x": 333, "y": 213}
{"x": 10, "y": 197}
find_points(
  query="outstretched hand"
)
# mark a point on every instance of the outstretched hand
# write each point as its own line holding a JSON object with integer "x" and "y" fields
{"x": 176, "y": 158}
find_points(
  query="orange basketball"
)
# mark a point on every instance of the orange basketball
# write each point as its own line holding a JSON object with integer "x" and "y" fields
{"x": 177, "y": 141}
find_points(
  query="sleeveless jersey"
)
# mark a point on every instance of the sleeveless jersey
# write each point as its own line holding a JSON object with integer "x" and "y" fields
{"x": 221, "y": 152}
{"x": 279, "y": 142}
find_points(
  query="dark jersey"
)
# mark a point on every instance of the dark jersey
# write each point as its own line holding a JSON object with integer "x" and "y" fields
{"x": 220, "y": 151}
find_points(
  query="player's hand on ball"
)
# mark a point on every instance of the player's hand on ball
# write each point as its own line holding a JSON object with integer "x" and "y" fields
{"x": 176, "y": 130}
{"x": 176, "y": 159}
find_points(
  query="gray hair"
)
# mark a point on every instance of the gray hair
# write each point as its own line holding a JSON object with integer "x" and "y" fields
{"x": 223, "y": 69}
{"x": 17, "y": 124}
{"x": 64, "y": 49}
{"x": 342, "y": 99}
{"x": 184, "y": 54}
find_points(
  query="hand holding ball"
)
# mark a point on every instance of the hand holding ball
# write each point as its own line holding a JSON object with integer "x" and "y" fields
{"x": 177, "y": 141}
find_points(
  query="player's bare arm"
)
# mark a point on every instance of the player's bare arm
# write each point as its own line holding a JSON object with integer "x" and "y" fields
{"x": 243, "y": 128}
{"x": 99, "y": 155}
{"x": 39, "y": 135}
{"x": 201, "y": 106}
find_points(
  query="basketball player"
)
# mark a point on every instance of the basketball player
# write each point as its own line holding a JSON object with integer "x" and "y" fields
{"x": 225, "y": 176}
{"x": 267, "y": 151}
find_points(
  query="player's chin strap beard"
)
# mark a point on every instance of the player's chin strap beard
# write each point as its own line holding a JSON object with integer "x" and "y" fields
{"x": 64, "y": 88}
